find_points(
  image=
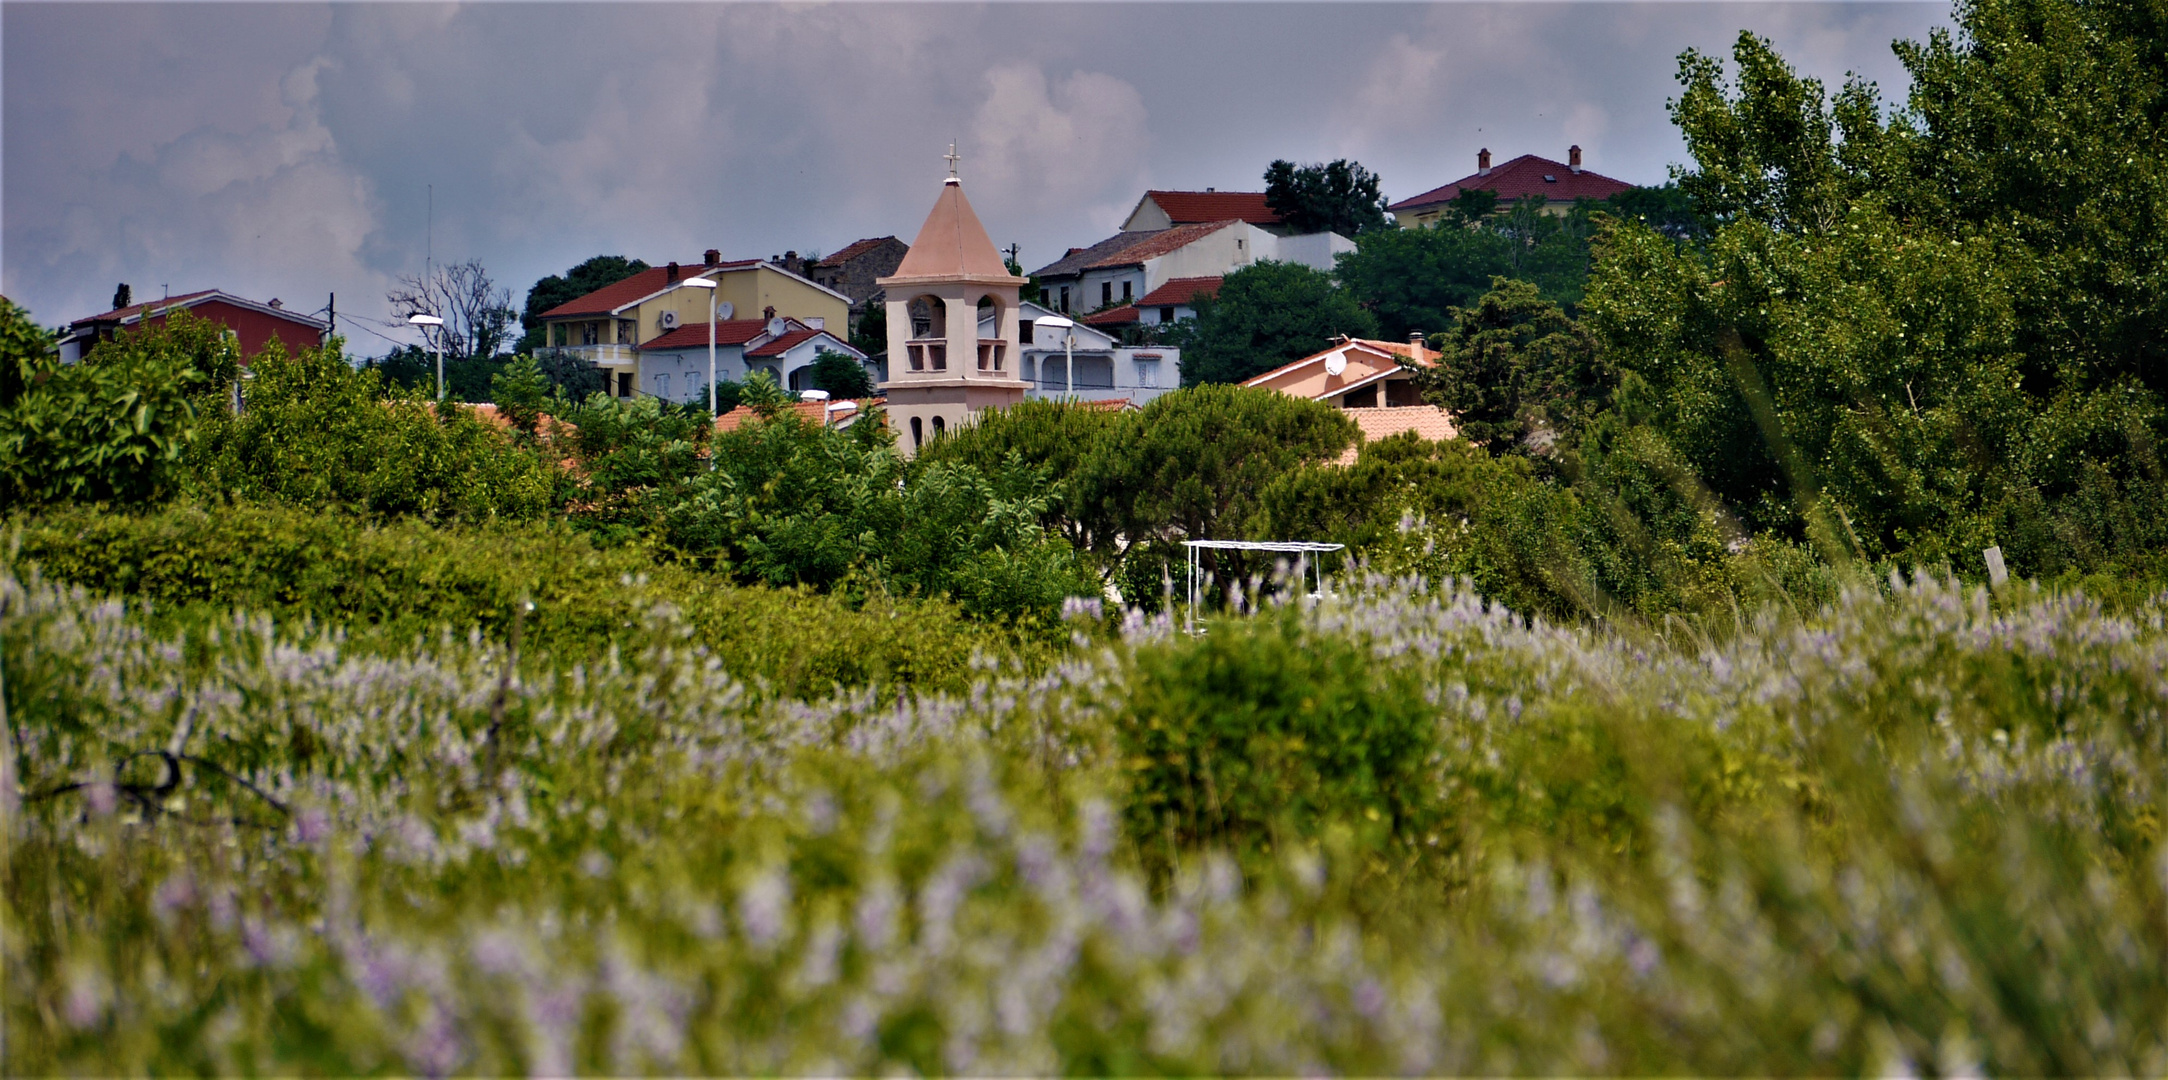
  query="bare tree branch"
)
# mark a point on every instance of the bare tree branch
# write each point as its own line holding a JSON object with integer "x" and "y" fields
{"x": 477, "y": 315}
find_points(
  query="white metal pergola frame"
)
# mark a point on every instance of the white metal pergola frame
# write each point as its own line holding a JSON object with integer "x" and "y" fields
{"x": 1300, "y": 549}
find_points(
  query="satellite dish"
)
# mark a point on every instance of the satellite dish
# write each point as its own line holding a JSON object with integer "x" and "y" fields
{"x": 724, "y": 310}
{"x": 669, "y": 320}
{"x": 1336, "y": 363}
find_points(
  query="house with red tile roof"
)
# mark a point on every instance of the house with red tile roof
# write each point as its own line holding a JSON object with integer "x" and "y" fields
{"x": 1372, "y": 380}
{"x": 254, "y": 325}
{"x": 1167, "y": 209}
{"x": 608, "y": 326}
{"x": 1118, "y": 271}
{"x": 855, "y": 270}
{"x": 1176, "y": 300}
{"x": 674, "y": 365}
{"x": 1524, "y": 177}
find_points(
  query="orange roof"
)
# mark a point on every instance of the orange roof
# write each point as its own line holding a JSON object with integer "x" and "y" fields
{"x": 789, "y": 341}
{"x": 952, "y": 244}
{"x": 132, "y": 310}
{"x": 1520, "y": 178}
{"x": 727, "y": 332}
{"x": 1367, "y": 361}
{"x": 1181, "y": 290}
{"x": 1191, "y": 207}
{"x": 1426, "y": 421}
{"x": 1127, "y": 313}
{"x": 647, "y": 282}
{"x": 811, "y": 412}
{"x": 1162, "y": 242}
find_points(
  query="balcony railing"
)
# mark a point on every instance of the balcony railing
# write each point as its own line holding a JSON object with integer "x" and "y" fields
{"x": 600, "y": 354}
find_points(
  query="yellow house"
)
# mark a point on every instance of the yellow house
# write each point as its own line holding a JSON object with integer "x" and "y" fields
{"x": 607, "y": 327}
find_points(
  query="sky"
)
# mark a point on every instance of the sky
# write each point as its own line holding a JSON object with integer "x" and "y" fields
{"x": 301, "y": 150}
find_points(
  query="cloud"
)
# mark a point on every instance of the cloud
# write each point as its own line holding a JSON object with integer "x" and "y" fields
{"x": 1040, "y": 146}
{"x": 294, "y": 149}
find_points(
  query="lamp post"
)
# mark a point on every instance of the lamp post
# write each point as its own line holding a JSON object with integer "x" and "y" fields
{"x": 709, "y": 285}
{"x": 1068, "y": 348}
{"x": 425, "y": 322}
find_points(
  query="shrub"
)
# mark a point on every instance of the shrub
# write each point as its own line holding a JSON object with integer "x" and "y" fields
{"x": 318, "y": 432}
{"x": 113, "y": 427}
{"x": 1261, "y": 735}
{"x": 393, "y": 586}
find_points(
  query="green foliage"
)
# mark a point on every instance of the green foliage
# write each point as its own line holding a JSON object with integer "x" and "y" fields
{"x": 392, "y": 587}
{"x": 1413, "y": 279}
{"x": 114, "y": 426}
{"x": 870, "y": 336}
{"x": 792, "y": 503}
{"x": 1190, "y": 466}
{"x": 563, "y": 288}
{"x": 1340, "y": 197}
{"x": 1267, "y": 314}
{"x": 522, "y": 393}
{"x": 1263, "y": 736}
{"x": 319, "y": 432}
{"x": 1056, "y": 437}
{"x": 841, "y": 376}
{"x": 467, "y": 379}
{"x": 1515, "y": 371}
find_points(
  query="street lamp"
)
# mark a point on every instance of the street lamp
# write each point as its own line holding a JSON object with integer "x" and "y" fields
{"x": 709, "y": 285}
{"x": 1068, "y": 348}
{"x": 425, "y": 322}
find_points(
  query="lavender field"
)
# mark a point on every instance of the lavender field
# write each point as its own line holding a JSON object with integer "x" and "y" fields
{"x": 1401, "y": 831}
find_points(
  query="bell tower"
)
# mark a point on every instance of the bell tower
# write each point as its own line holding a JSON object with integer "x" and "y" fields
{"x": 952, "y": 325}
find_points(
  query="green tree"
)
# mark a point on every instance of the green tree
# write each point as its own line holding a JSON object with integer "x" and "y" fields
{"x": 571, "y": 285}
{"x": 871, "y": 335}
{"x": 1339, "y": 196}
{"x": 1190, "y": 465}
{"x": 320, "y": 432}
{"x": 521, "y": 392}
{"x": 842, "y": 376}
{"x": 1515, "y": 371}
{"x": 1267, "y": 314}
{"x": 1413, "y": 279}
{"x": 113, "y": 427}
{"x": 1060, "y": 438}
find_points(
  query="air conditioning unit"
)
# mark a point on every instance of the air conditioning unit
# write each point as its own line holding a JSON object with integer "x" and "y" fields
{"x": 669, "y": 320}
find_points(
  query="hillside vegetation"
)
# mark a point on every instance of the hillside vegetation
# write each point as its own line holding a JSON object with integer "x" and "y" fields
{"x": 1670, "y": 723}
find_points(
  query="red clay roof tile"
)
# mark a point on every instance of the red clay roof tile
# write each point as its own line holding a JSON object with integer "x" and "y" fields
{"x": 1195, "y": 207}
{"x": 1181, "y": 291}
{"x": 1522, "y": 178}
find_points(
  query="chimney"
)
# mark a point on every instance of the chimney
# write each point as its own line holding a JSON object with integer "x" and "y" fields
{"x": 713, "y": 257}
{"x": 276, "y": 304}
{"x": 1211, "y": 190}
{"x": 1573, "y": 159}
{"x": 1415, "y": 343}
{"x": 122, "y": 297}
{"x": 1482, "y": 162}
{"x": 670, "y": 274}
{"x": 768, "y": 312}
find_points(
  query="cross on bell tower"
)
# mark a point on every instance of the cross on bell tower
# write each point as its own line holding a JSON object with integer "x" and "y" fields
{"x": 952, "y": 158}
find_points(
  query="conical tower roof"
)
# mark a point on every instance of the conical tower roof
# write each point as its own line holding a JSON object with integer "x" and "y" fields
{"x": 953, "y": 245}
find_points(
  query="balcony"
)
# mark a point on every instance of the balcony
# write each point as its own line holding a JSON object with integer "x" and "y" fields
{"x": 992, "y": 354}
{"x": 600, "y": 354}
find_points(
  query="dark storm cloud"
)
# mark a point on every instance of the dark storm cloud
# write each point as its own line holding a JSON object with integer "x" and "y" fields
{"x": 289, "y": 150}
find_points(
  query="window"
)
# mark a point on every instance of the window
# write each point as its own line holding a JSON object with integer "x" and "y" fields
{"x": 1125, "y": 292}
{"x": 627, "y": 332}
{"x": 1065, "y": 299}
{"x": 590, "y": 333}
{"x": 1023, "y": 331}
{"x": 624, "y": 382}
{"x": 938, "y": 427}
{"x": 1106, "y": 293}
{"x": 1148, "y": 374}
{"x": 918, "y": 433}
{"x": 662, "y": 385}
{"x": 1241, "y": 245}
{"x": 1166, "y": 314}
